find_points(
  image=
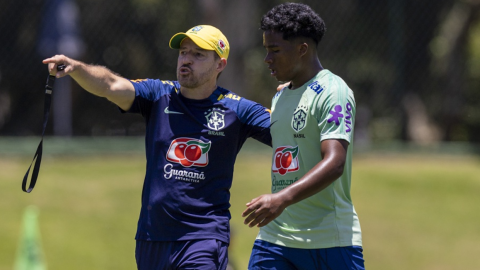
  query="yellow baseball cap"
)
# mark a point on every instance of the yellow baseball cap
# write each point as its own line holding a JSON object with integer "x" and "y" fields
{"x": 206, "y": 37}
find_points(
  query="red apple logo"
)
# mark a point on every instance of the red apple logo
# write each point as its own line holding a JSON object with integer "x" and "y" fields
{"x": 285, "y": 160}
{"x": 278, "y": 158}
{"x": 180, "y": 150}
{"x": 189, "y": 152}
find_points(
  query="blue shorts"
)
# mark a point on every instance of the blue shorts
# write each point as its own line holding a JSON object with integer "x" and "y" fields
{"x": 269, "y": 256}
{"x": 205, "y": 254}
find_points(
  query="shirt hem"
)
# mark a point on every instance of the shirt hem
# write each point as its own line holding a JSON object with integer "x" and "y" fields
{"x": 303, "y": 245}
{"x": 184, "y": 238}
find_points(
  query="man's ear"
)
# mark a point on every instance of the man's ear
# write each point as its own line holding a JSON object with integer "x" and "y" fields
{"x": 303, "y": 48}
{"x": 221, "y": 65}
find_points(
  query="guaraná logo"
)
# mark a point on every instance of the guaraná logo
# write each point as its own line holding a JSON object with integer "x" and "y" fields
{"x": 189, "y": 152}
{"x": 285, "y": 160}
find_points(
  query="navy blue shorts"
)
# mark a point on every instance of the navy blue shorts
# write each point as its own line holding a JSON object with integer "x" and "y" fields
{"x": 269, "y": 256}
{"x": 205, "y": 254}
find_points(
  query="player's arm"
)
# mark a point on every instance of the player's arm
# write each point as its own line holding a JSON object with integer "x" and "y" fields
{"x": 263, "y": 209}
{"x": 97, "y": 80}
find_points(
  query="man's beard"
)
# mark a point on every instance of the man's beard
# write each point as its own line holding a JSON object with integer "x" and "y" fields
{"x": 193, "y": 80}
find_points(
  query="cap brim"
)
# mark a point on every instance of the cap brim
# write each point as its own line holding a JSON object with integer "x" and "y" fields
{"x": 177, "y": 39}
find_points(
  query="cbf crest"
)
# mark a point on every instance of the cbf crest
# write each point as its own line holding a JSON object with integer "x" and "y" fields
{"x": 299, "y": 119}
{"x": 197, "y": 28}
{"x": 215, "y": 119}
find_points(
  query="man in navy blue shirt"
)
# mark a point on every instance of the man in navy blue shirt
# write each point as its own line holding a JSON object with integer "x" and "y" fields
{"x": 194, "y": 130}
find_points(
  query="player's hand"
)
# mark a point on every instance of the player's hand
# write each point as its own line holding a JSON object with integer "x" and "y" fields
{"x": 281, "y": 86}
{"x": 262, "y": 210}
{"x": 57, "y": 60}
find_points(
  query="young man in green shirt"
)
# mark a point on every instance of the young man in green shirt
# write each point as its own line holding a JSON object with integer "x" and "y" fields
{"x": 308, "y": 222}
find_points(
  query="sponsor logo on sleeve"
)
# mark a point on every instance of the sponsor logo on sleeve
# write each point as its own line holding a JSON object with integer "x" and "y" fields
{"x": 337, "y": 116}
{"x": 348, "y": 118}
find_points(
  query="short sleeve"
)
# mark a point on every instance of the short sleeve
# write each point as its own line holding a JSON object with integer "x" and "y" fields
{"x": 335, "y": 112}
{"x": 256, "y": 119}
{"x": 148, "y": 91}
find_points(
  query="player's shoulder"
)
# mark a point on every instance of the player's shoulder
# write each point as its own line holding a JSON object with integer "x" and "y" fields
{"x": 230, "y": 98}
{"x": 154, "y": 88}
{"x": 157, "y": 83}
{"x": 225, "y": 95}
{"x": 331, "y": 80}
{"x": 327, "y": 83}
{"x": 237, "y": 103}
{"x": 279, "y": 93}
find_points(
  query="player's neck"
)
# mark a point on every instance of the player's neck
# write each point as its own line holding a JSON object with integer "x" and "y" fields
{"x": 311, "y": 70}
{"x": 198, "y": 93}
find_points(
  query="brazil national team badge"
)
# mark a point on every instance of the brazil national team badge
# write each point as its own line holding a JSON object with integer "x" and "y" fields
{"x": 299, "y": 118}
{"x": 215, "y": 119}
{"x": 285, "y": 160}
{"x": 189, "y": 152}
{"x": 196, "y": 28}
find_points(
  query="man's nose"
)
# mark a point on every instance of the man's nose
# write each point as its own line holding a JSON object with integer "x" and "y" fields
{"x": 186, "y": 59}
{"x": 268, "y": 59}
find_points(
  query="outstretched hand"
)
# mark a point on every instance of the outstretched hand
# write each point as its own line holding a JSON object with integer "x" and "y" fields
{"x": 57, "y": 60}
{"x": 263, "y": 209}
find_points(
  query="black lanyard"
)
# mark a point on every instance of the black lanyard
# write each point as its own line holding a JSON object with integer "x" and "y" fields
{"x": 38, "y": 155}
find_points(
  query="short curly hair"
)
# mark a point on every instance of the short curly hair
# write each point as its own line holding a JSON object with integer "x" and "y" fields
{"x": 294, "y": 20}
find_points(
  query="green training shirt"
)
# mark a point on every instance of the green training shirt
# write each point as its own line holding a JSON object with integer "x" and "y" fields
{"x": 322, "y": 109}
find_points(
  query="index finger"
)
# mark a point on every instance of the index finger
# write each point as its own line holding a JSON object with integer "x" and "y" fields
{"x": 51, "y": 65}
{"x": 248, "y": 211}
{"x": 56, "y": 64}
{"x": 251, "y": 207}
{"x": 57, "y": 58}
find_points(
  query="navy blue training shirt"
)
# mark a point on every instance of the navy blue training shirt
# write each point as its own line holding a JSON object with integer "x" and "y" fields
{"x": 191, "y": 147}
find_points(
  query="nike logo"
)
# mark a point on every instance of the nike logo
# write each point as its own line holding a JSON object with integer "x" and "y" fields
{"x": 171, "y": 112}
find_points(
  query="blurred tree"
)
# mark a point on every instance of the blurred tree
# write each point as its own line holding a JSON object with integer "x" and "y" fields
{"x": 406, "y": 61}
{"x": 450, "y": 55}
{"x": 19, "y": 69}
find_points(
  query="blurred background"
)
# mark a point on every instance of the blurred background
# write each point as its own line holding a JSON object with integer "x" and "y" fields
{"x": 414, "y": 66}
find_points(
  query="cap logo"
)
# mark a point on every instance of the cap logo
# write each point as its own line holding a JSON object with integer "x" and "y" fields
{"x": 196, "y": 28}
{"x": 221, "y": 45}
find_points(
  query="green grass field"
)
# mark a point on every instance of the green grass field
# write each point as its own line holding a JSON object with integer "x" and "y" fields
{"x": 416, "y": 211}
